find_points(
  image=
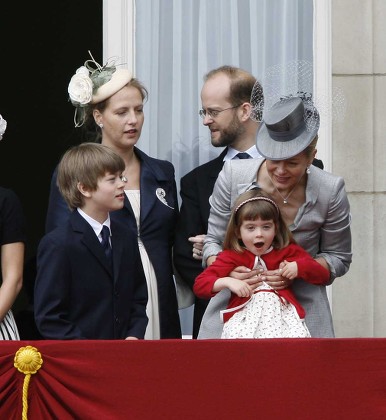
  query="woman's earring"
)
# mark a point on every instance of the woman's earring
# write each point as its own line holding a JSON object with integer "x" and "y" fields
{"x": 308, "y": 170}
{"x": 100, "y": 125}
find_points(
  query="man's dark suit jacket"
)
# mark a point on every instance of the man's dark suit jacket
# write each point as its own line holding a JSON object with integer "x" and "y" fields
{"x": 158, "y": 218}
{"x": 196, "y": 188}
{"x": 78, "y": 295}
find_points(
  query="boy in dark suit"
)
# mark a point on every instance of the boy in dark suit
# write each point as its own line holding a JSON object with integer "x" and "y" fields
{"x": 90, "y": 286}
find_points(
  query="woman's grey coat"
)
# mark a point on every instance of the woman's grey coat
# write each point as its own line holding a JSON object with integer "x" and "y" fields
{"x": 321, "y": 227}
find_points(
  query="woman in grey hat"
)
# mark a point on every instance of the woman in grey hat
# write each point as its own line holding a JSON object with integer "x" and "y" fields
{"x": 313, "y": 203}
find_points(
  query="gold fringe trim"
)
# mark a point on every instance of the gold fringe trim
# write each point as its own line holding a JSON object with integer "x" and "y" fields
{"x": 28, "y": 361}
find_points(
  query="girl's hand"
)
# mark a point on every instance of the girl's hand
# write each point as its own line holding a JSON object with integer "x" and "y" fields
{"x": 239, "y": 287}
{"x": 289, "y": 270}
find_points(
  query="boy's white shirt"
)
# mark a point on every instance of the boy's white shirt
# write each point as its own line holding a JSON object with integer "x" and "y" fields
{"x": 94, "y": 223}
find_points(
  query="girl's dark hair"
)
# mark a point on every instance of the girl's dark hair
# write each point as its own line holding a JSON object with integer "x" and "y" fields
{"x": 248, "y": 206}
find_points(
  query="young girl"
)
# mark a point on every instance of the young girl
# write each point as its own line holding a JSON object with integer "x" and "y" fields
{"x": 258, "y": 238}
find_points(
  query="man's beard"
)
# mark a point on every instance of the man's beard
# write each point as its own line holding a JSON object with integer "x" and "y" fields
{"x": 229, "y": 134}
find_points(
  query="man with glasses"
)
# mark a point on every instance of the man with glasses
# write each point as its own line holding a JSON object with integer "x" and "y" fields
{"x": 226, "y": 111}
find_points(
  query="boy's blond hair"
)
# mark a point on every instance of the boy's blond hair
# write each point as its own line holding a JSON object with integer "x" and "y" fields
{"x": 85, "y": 163}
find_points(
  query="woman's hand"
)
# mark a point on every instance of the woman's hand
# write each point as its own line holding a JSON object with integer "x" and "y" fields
{"x": 251, "y": 277}
{"x": 274, "y": 279}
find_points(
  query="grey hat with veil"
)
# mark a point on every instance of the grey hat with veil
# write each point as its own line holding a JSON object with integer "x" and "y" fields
{"x": 291, "y": 116}
{"x": 288, "y": 128}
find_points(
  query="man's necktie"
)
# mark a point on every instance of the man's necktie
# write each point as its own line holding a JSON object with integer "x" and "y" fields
{"x": 243, "y": 155}
{"x": 106, "y": 242}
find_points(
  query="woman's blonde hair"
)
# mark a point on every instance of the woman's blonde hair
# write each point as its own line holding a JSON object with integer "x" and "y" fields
{"x": 251, "y": 205}
{"x": 308, "y": 151}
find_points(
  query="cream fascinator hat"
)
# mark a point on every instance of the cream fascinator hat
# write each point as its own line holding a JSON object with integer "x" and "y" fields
{"x": 92, "y": 84}
{"x": 3, "y": 126}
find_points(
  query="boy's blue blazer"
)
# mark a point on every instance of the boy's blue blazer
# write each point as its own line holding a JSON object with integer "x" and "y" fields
{"x": 77, "y": 295}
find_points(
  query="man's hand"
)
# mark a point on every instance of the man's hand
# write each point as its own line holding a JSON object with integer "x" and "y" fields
{"x": 198, "y": 244}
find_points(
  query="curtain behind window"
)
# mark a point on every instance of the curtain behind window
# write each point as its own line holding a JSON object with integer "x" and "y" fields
{"x": 178, "y": 41}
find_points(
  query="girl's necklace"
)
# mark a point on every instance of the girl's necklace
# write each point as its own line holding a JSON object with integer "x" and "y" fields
{"x": 285, "y": 199}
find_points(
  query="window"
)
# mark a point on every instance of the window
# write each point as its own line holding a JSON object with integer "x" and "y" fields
{"x": 171, "y": 45}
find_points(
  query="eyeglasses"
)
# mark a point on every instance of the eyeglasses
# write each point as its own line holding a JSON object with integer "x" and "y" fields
{"x": 213, "y": 113}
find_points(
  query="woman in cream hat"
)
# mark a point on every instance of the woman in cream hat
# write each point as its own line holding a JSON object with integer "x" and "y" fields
{"x": 313, "y": 204}
{"x": 112, "y": 101}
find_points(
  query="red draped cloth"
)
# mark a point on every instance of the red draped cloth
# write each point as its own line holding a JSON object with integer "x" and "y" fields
{"x": 193, "y": 379}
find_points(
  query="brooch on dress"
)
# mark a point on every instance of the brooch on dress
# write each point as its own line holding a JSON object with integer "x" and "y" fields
{"x": 161, "y": 194}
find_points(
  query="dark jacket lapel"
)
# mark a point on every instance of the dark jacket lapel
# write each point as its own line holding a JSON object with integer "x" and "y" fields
{"x": 87, "y": 236}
